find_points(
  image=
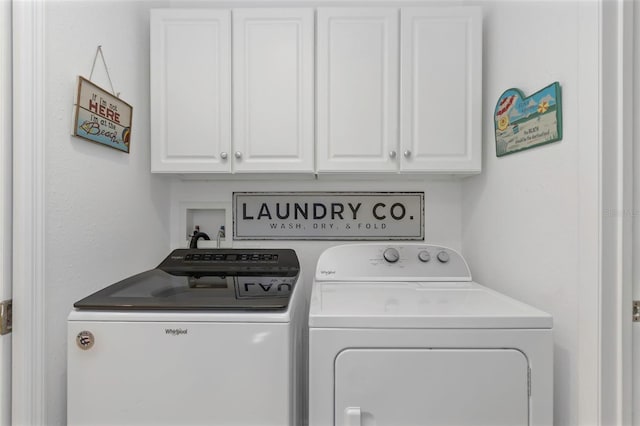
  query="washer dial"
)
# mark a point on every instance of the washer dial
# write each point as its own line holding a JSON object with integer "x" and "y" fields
{"x": 391, "y": 255}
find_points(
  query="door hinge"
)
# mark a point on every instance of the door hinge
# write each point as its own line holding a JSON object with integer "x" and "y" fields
{"x": 6, "y": 317}
{"x": 636, "y": 311}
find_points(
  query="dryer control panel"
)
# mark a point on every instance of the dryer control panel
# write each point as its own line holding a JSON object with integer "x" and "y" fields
{"x": 392, "y": 262}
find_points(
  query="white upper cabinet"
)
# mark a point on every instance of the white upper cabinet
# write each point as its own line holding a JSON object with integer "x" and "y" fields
{"x": 273, "y": 104}
{"x": 190, "y": 90}
{"x": 441, "y": 95}
{"x": 422, "y": 66}
{"x": 357, "y": 89}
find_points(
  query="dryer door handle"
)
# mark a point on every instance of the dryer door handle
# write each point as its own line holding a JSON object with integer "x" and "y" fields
{"x": 352, "y": 416}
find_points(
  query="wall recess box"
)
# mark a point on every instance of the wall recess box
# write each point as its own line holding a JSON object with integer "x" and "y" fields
{"x": 209, "y": 216}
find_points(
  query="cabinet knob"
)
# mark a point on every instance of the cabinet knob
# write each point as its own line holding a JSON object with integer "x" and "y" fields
{"x": 407, "y": 153}
{"x": 238, "y": 154}
{"x": 392, "y": 154}
{"x": 223, "y": 155}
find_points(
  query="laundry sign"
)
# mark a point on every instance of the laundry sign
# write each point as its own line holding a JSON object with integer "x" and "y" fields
{"x": 328, "y": 215}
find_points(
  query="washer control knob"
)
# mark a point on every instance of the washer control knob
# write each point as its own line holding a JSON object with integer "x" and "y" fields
{"x": 443, "y": 256}
{"x": 391, "y": 255}
{"x": 424, "y": 256}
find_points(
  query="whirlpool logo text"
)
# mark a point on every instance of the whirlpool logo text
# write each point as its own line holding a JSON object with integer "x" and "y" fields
{"x": 176, "y": 331}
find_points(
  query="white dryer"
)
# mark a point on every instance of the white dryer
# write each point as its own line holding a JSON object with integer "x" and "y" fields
{"x": 209, "y": 337}
{"x": 400, "y": 335}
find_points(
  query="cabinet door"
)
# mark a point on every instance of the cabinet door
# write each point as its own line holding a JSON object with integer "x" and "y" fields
{"x": 441, "y": 69}
{"x": 357, "y": 89}
{"x": 273, "y": 90}
{"x": 190, "y": 90}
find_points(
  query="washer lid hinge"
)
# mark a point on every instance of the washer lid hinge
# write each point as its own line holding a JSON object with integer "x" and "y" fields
{"x": 636, "y": 311}
{"x": 6, "y": 317}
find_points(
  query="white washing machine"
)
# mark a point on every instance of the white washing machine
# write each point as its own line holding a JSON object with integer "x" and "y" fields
{"x": 209, "y": 337}
{"x": 400, "y": 335}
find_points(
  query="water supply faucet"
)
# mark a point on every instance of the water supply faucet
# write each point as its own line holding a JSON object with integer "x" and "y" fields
{"x": 193, "y": 243}
{"x": 221, "y": 234}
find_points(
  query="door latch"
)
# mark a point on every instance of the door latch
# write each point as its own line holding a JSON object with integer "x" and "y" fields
{"x": 6, "y": 317}
{"x": 636, "y": 311}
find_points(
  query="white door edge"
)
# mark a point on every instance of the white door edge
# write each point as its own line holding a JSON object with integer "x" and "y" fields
{"x": 589, "y": 217}
{"x": 634, "y": 366}
{"x": 5, "y": 204}
{"x": 28, "y": 386}
{"x": 603, "y": 368}
{"x": 616, "y": 186}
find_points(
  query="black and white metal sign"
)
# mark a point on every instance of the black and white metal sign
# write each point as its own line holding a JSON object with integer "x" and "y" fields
{"x": 328, "y": 215}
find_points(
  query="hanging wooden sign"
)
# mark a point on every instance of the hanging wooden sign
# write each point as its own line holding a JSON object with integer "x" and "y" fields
{"x": 522, "y": 123}
{"x": 101, "y": 117}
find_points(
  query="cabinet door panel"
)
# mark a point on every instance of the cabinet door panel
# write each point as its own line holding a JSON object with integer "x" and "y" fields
{"x": 441, "y": 63}
{"x": 190, "y": 90}
{"x": 273, "y": 89}
{"x": 357, "y": 89}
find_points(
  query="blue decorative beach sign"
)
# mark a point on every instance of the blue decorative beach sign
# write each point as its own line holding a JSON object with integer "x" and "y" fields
{"x": 101, "y": 117}
{"x": 523, "y": 123}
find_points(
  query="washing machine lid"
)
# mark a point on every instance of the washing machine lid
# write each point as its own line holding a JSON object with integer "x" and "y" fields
{"x": 206, "y": 279}
{"x": 418, "y": 305}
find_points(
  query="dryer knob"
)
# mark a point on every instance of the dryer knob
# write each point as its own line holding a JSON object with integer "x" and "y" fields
{"x": 443, "y": 256}
{"x": 391, "y": 255}
{"x": 424, "y": 256}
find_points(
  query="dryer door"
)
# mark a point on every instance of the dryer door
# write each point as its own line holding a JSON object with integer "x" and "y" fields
{"x": 431, "y": 387}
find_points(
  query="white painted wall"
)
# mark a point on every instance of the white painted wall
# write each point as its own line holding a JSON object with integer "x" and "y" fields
{"x": 517, "y": 223}
{"x": 521, "y": 217}
{"x": 107, "y": 217}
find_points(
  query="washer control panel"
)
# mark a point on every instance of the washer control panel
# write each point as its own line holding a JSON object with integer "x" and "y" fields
{"x": 392, "y": 262}
{"x": 224, "y": 262}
